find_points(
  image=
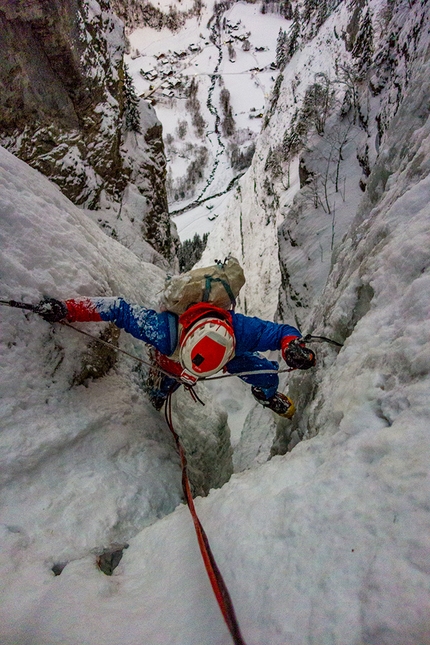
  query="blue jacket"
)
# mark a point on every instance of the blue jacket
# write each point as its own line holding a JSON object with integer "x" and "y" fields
{"x": 161, "y": 329}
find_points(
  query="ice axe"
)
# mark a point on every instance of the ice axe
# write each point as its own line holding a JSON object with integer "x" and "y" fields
{"x": 321, "y": 339}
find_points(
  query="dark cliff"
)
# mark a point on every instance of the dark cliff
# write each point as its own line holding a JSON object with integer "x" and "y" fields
{"x": 64, "y": 101}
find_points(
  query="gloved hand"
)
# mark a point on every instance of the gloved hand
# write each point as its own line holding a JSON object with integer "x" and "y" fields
{"x": 51, "y": 309}
{"x": 296, "y": 354}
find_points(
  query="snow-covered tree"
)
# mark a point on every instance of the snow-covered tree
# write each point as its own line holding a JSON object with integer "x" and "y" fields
{"x": 363, "y": 46}
{"x": 231, "y": 52}
{"x": 182, "y": 128}
{"x": 131, "y": 102}
{"x": 227, "y": 123}
{"x": 193, "y": 105}
{"x": 309, "y": 8}
{"x": 191, "y": 251}
{"x": 283, "y": 7}
{"x": 317, "y": 103}
{"x": 286, "y": 9}
{"x": 294, "y": 33}
{"x": 281, "y": 49}
{"x": 322, "y": 13}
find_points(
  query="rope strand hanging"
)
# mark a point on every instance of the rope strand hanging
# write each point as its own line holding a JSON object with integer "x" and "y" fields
{"x": 217, "y": 582}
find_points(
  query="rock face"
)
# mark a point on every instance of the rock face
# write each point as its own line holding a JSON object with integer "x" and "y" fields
{"x": 331, "y": 105}
{"x": 320, "y": 161}
{"x": 69, "y": 110}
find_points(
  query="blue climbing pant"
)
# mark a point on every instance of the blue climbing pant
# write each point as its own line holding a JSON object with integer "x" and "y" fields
{"x": 252, "y": 361}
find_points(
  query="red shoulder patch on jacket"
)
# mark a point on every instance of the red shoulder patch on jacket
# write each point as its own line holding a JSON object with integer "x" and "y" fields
{"x": 82, "y": 311}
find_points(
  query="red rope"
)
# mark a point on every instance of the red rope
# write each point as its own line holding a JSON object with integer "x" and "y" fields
{"x": 218, "y": 585}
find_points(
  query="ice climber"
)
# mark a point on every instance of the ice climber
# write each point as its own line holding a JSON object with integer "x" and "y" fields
{"x": 200, "y": 342}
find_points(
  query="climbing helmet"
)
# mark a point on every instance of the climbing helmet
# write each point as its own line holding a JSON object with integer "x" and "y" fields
{"x": 206, "y": 346}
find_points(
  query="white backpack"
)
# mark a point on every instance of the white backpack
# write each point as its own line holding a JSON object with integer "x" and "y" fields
{"x": 218, "y": 285}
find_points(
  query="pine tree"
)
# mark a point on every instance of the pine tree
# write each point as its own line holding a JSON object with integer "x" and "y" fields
{"x": 131, "y": 105}
{"x": 294, "y": 33}
{"x": 191, "y": 251}
{"x": 323, "y": 13}
{"x": 281, "y": 49}
{"x": 227, "y": 123}
{"x": 286, "y": 9}
{"x": 309, "y": 8}
{"x": 363, "y": 45}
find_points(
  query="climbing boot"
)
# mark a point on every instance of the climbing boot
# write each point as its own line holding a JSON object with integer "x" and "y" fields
{"x": 158, "y": 387}
{"x": 278, "y": 403}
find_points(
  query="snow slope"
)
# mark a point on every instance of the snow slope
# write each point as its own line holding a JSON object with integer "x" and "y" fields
{"x": 84, "y": 462}
{"x": 328, "y": 544}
